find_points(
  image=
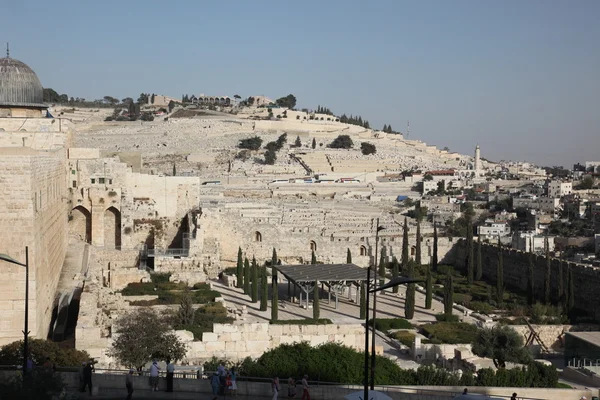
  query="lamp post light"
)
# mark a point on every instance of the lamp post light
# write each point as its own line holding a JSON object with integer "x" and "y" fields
{"x": 378, "y": 228}
{"x": 394, "y": 282}
{"x": 7, "y": 258}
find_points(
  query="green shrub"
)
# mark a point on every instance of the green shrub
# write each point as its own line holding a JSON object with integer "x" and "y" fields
{"x": 385, "y": 324}
{"x": 446, "y": 318}
{"x": 481, "y": 307}
{"x": 205, "y": 317}
{"x": 451, "y": 332}
{"x": 404, "y": 337}
{"x": 252, "y": 143}
{"x": 309, "y": 321}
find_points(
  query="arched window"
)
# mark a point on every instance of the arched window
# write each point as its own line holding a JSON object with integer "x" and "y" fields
{"x": 257, "y": 236}
{"x": 313, "y": 245}
{"x": 363, "y": 251}
{"x": 413, "y": 250}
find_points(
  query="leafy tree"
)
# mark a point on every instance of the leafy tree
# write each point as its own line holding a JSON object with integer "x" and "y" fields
{"x": 418, "y": 244}
{"x": 40, "y": 384}
{"x": 405, "y": 245}
{"x": 363, "y": 301}
{"x": 409, "y": 306}
{"x": 255, "y": 282}
{"x": 143, "y": 336}
{"x": 298, "y": 142}
{"x": 264, "y": 293}
{"x": 275, "y": 293}
{"x": 270, "y": 157}
{"x": 147, "y": 116}
{"x": 39, "y": 349}
{"x": 50, "y": 96}
{"x": 237, "y": 96}
{"x": 395, "y": 272}
{"x": 367, "y": 148}
{"x": 341, "y": 142}
{"x": 502, "y": 344}
{"x": 143, "y": 99}
{"x": 246, "y": 276}
{"x": 288, "y": 101}
{"x": 171, "y": 106}
{"x": 428, "y": 288}
{"x": 530, "y": 287}
{"x": 252, "y": 143}
{"x": 434, "y": 264}
{"x": 448, "y": 294}
{"x": 239, "y": 271}
{"x": 314, "y": 143}
{"x": 185, "y": 313}
{"x": 500, "y": 276}
{"x": 548, "y": 275}
{"x": 587, "y": 183}
{"x": 348, "y": 257}
{"x": 479, "y": 269}
{"x": 385, "y": 128}
{"x": 316, "y": 308}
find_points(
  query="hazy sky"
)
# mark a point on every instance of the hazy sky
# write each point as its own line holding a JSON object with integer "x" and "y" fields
{"x": 520, "y": 77}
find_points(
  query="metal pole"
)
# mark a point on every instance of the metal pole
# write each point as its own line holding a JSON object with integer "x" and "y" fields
{"x": 373, "y": 355}
{"x": 366, "y": 395}
{"x": 26, "y": 331}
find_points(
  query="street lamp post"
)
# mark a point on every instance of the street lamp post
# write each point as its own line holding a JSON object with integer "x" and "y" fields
{"x": 373, "y": 355}
{"x": 11, "y": 260}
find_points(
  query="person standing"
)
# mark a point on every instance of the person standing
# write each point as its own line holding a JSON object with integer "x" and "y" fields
{"x": 514, "y": 397}
{"x": 215, "y": 383}
{"x": 170, "y": 374}
{"x": 222, "y": 375}
{"x": 154, "y": 368}
{"x": 81, "y": 377}
{"x": 275, "y": 388}
{"x": 233, "y": 387}
{"x": 305, "y": 387}
{"x": 129, "y": 383}
{"x": 291, "y": 387}
{"x": 87, "y": 376}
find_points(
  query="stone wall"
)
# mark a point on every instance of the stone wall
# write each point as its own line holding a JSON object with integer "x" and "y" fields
{"x": 33, "y": 213}
{"x": 236, "y": 342}
{"x": 516, "y": 263}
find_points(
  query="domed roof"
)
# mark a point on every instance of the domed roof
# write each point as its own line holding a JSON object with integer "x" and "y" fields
{"x": 19, "y": 85}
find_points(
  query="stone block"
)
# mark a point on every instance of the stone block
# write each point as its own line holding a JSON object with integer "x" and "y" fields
{"x": 318, "y": 339}
{"x": 209, "y": 337}
{"x": 257, "y": 347}
{"x": 276, "y": 330}
{"x": 240, "y": 346}
{"x": 229, "y": 346}
{"x": 215, "y": 347}
{"x": 185, "y": 336}
{"x": 236, "y": 336}
{"x": 331, "y": 329}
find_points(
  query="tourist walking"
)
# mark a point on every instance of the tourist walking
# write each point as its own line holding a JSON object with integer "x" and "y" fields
{"x": 215, "y": 382}
{"x": 222, "y": 375}
{"x": 305, "y": 387}
{"x": 275, "y": 388}
{"x": 154, "y": 368}
{"x": 291, "y": 387}
{"x": 233, "y": 377}
{"x": 129, "y": 383}
{"x": 87, "y": 376}
{"x": 170, "y": 374}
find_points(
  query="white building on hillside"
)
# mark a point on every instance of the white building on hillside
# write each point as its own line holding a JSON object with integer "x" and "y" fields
{"x": 557, "y": 189}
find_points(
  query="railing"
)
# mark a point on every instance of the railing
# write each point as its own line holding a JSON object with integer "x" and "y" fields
{"x": 168, "y": 253}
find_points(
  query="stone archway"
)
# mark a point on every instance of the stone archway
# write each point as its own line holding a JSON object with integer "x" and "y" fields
{"x": 363, "y": 251}
{"x": 80, "y": 223}
{"x": 257, "y": 236}
{"x": 112, "y": 228}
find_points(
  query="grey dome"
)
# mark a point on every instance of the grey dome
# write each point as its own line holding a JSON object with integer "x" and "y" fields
{"x": 19, "y": 85}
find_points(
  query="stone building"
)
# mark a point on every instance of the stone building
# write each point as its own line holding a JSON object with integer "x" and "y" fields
{"x": 33, "y": 203}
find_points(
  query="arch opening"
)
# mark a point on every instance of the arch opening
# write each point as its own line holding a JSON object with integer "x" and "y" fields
{"x": 80, "y": 224}
{"x": 112, "y": 228}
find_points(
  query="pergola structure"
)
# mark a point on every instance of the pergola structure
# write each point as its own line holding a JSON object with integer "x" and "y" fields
{"x": 335, "y": 276}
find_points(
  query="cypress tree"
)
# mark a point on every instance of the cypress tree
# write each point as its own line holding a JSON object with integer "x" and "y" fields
{"x": 418, "y": 249}
{"x": 570, "y": 291}
{"x": 530, "y": 288}
{"x": 500, "y": 276}
{"x": 405, "y": 245}
{"x": 264, "y": 292}
{"x": 313, "y": 258}
{"x": 255, "y": 282}
{"x": 239, "y": 271}
{"x": 174, "y": 169}
{"x": 548, "y": 276}
{"x": 363, "y": 301}
{"x": 274, "y": 295}
{"x": 434, "y": 264}
{"x": 469, "y": 260}
{"x": 314, "y": 143}
{"x": 409, "y": 306}
{"x": 247, "y": 277}
{"x": 382, "y": 267}
{"x": 448, "y": 294}
{"x": 348, "y": 257}
{"x": 561, "y": 285}
{"x": 316, "y": 308}
{"x": 274, "y": 258}
{"x": 395, "y": 272}
{"x": 298, "y": 142}
{"x": 428, "y": 288}
{"x": 479, "y": 269}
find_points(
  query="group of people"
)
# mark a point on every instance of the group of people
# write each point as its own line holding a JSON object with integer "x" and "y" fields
{"x": 276, "y": 388}
{"x": 223, "y": 381}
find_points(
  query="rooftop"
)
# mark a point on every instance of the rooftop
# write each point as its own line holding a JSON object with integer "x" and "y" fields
{"x": 323, "y": 272}
{"x": 592, "y": 338}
